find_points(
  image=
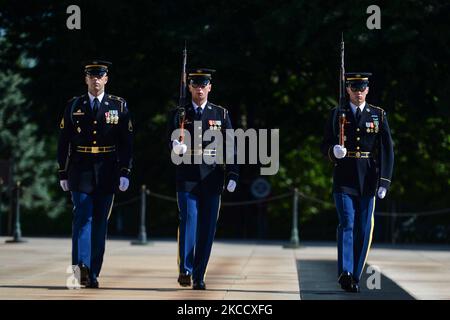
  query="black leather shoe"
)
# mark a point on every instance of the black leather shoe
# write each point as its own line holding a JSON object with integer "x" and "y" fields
{"x": 93, "y": 284}
{"x": 355, "y": 288}
{"x": 200, "y": 285}
{"x": 84, "y": 274}
{"x": 346, "y": 281}
{"x": 184, "y": 279}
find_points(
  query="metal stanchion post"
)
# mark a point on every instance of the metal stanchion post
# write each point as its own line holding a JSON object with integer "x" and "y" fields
{"x": 17, "y": 228}
{"x": 142, "y": 237}
{"x": 294, "y": 242}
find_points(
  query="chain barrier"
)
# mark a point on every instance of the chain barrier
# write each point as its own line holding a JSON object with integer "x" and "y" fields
{"x": 282, "y": 196}
{"x": 126, "y": 202}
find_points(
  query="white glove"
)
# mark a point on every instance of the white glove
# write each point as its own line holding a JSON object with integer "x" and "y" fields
{"x": 64, "y": 185}
{"x": 178, "y": 147}
{"x": 231, "y": 186}
{"x": 381, "y": 192}
{"x": 339, "y": 151}
{"x": 124, "y": 183}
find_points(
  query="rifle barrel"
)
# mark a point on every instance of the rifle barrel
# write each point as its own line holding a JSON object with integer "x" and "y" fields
{"x": 183, "y": 78}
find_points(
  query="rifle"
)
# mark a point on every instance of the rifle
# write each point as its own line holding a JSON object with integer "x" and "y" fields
{"x": 342, "y": 96}
{"x": 182, "y": 100}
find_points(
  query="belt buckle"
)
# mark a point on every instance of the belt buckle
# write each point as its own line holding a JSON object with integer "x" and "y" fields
{"x": 358, "y": 154}
{"x": 209, "y": 152}
{"x": 95, "y": 150}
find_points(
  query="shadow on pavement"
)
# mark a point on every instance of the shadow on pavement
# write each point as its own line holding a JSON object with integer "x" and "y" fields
{"x": 318, "y": 281}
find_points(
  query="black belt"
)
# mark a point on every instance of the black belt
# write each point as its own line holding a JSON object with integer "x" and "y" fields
{"x": 103, "y": 149}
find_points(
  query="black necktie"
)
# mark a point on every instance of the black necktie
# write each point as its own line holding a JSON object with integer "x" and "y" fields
{"x": 358, "y": 114}
{"x": 95, "y": 108}
{"x": 198, "y": 115}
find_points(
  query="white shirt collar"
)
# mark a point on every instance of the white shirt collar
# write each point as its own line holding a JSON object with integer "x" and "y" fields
{"x": 202, "y": 106}
{"x": 361, "y": 107}
{"x": 92, "y": 97}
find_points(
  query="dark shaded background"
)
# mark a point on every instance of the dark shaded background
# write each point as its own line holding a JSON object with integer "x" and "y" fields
{"x": 278, "y": 67}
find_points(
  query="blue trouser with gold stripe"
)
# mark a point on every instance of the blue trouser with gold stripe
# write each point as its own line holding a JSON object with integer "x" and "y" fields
{"x": 354, "y": 232}
{"x": 89, "y": 228}
{"x": 198, "y": 218}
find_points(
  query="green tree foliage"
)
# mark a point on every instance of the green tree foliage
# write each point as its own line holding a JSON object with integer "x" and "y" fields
{"x": 20, "y": 143}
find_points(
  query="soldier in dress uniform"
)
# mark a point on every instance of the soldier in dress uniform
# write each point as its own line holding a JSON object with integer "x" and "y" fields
{"x": 199, "y": 185}
{"x": 94, "y": 157}
{"x": 362, "y": 168}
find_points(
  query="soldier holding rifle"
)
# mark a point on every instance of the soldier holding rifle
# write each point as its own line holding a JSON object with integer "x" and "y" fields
{"x": 357, "y": 140}
{"x": 199, "y": 184}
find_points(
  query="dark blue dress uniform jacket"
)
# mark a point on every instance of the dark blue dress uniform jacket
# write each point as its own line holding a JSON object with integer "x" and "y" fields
{"x": 210, "y": 177}
{"x": 93, "y": 152}
{"x": 361, "y": 176}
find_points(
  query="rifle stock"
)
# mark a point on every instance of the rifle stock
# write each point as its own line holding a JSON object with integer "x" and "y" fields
{"x": 341, "y": 129}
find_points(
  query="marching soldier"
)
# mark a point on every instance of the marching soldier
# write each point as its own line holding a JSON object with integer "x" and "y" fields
{"x": 94, "y": 156}
{"x": 363, "y": 167}
{"x": 199, "y": 185}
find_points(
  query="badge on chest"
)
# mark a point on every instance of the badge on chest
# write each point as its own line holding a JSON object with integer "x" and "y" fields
{"x": 215, "y": 124}
{"x": 374, "y": 125}
{"x": 112, "y": 117}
